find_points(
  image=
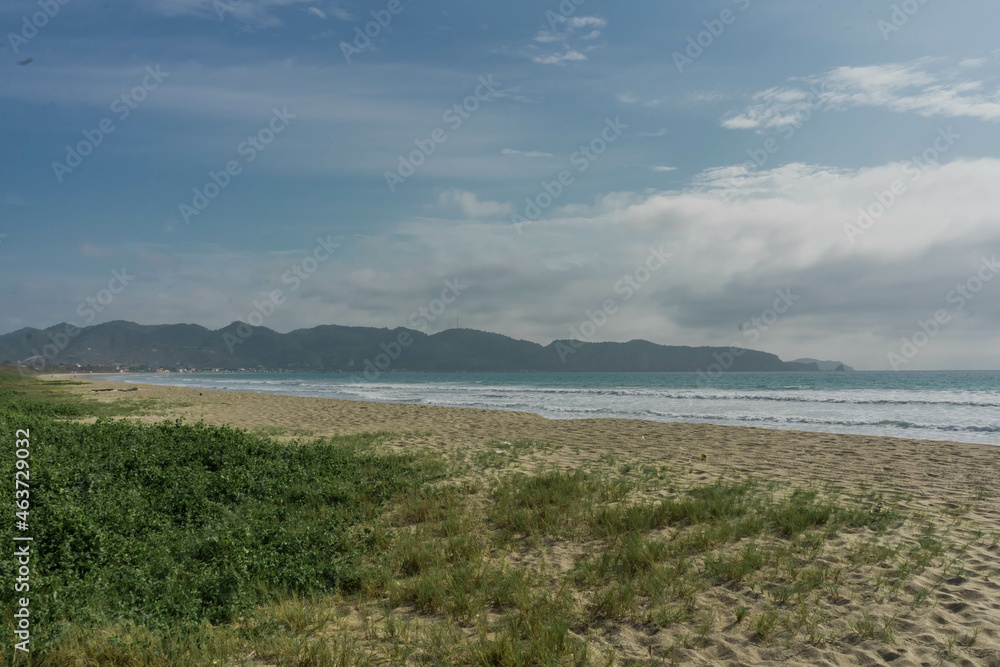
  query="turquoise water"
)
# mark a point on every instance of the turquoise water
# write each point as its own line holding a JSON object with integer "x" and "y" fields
{"x": 939, "y": 405}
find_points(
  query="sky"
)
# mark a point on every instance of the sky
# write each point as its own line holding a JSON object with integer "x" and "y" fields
{"x": 806, "y": 178}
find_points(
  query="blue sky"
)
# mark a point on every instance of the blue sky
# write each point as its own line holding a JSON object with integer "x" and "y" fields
{"x": 844, "y": 95}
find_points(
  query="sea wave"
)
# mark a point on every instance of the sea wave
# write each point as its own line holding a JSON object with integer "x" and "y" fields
{"x": 771, "y": 419}
{"x": 501, "y": 391}
{"x": 936, "y": 414}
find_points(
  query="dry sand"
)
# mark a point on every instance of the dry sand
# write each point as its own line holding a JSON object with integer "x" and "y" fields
{"x": 941, "y": 478}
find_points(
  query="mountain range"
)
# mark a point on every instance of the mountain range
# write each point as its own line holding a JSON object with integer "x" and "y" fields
{"x": 332, "y": 348}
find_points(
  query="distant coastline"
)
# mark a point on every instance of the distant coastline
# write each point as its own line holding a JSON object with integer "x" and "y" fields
{"x": 116, "y": 346}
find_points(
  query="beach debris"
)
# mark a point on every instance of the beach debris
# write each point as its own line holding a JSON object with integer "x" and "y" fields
{"x": 102, "y": 389}
{"x": 130, "y": 389}
{"x": 878, "y": 509}
{"x": 704, "y": 457}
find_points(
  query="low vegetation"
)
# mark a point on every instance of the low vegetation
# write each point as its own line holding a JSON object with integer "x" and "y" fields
{"x": 177, "y": 544}
{"x": 165, "y": 527}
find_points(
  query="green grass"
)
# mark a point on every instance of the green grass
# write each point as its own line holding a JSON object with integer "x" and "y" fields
{"x": 764, "y": 625}
{"x": 502, "y": 453}
{"x": 50, "y": 399}
{"x": 168, "y": 526}
{"x": 42, "y": 399}
{"x": 550, "y": 503}
{"x": 741, "y": 613}
{"x": 867, "y": 627}
{"x": 736, "y": 566}
{"x": 281, "y": 431}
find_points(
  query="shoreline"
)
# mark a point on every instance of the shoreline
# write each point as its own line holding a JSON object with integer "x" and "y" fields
{"x": 906, "y": 426}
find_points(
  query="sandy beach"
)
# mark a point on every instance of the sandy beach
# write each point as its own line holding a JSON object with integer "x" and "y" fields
{"x": 951, "y": 482}
{"x": 942, "y": 471}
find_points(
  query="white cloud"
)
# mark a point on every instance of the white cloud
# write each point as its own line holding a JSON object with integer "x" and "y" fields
{"x": 661, "y": 167}
{"x": 735, "y": 237}
{"x": 341, "y": 14}
{"x": 558, "y": 58}
{"x": 705, "y": 97}
{"x": 972, "y": 62}
{"x": 258, "y": 13}
{"x": 924, "y": 87}
{"x": 626, "y": 98}
{"x": 544, "y": 37}
{"x": 315, "y": 11}
{"x": 577, "y": 22}
{"x": 470, "y": 205}
{"x": 568, "y": 32}
{"x": 742, "y": 122}
{"x": 511, "y": 151}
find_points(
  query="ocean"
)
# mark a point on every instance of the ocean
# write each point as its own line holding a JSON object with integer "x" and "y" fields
{"x": 933, "y": 405}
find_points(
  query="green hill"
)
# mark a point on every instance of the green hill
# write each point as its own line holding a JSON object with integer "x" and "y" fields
{"x": 333, "y": 348}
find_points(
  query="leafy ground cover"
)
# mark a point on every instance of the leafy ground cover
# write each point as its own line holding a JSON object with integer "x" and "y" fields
{"x": 171, "y": 525}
